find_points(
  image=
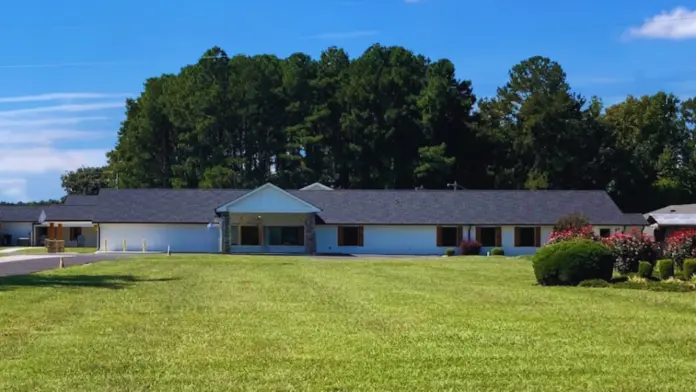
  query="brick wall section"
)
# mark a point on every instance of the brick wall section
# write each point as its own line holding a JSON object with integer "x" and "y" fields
{"x": 310, "y": 235}
{"x": 225, "y": 231}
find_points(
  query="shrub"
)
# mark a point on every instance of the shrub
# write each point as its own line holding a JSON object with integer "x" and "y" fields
{"x": 665, "y": 269}
{"x": 449, "y": 252}
{"x": 497, "y": 251}
{"x": 470, "y": 247}
{"x": 578, "y": 233}
{"x": 630, "y": 249}
{"x": 571, "y": 222}
{"x": 571, "y": 262}
{"x": 689, "y": 268}
{"x": 645, "y": 269}
{"x": 594, "y": 283}
{"x": 680, "y": 245}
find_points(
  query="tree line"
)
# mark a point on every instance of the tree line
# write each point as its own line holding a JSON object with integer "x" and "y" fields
{"x": 391, "y": 118}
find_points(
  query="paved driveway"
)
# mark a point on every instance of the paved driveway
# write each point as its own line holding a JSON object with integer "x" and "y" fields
{"x": 27, "y": 264}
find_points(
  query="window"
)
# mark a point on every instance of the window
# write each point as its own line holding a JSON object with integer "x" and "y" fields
{"x": 604, "y": 233}
{"x": 488, "y": 236}
{"x": 527, "y": 236}
{"x": 448, "y": 236}
{"x": 75, "y": 232}
{"x": 250, "y": 236}
{"x": 350, "y": 236}
{"x": 289, "y": 236}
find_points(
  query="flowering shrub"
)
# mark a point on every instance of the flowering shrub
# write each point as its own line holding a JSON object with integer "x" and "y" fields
{"x": 469, "y": 247}
{"x": 630, "y": 250}
{"x": 680, "y": 245}
{"x": 574, "y": 233}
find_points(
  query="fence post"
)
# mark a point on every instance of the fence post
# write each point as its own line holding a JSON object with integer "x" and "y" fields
{"x": 124, "y": 245}
{"x": 106, "y": 246}
{"x": 144, "y": 246}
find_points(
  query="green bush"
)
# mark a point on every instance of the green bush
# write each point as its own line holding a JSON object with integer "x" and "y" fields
{"x": 571, "y": 262}
{"x": 665, "y": 269}
{"x": 449, "y": 252}
{"x": 645, "y": 269}
{"x": 594, "y": 283}
{"x": 497, "y": 251}
{"x": 689, "y": 268}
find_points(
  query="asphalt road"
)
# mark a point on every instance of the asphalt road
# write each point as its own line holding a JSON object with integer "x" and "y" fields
{"x": 29, "y": 266}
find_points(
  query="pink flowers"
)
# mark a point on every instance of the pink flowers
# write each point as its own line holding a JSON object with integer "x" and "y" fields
{"x": 681, "y": 245}
{"x": 582, "y": 233}
{"x": 631, "y": 249}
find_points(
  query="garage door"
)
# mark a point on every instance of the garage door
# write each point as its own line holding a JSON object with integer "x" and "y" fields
{"x": 195, "y": 238}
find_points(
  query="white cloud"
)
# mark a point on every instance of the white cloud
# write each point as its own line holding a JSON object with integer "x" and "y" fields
{"x": 62, "y": 108}
{"x": 16, "y": 124}
{"x": 680, "y": 23}
{"x": 13, "y": 189}
{"x": 346, "y": 34}
{"x": 46, "y": 159}
{"x": 46, "y": 136}
{"x": 58, "y": 97}
{"x": 69, "y": 65}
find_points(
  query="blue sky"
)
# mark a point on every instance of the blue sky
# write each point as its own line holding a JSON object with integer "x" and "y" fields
{"x": 68, "y": 65}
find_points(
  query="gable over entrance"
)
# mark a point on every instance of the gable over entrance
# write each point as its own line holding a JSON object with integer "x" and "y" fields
{"x": 268, "y": 198}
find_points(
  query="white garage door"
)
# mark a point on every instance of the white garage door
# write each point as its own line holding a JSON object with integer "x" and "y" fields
{"x": 194, "y": 238}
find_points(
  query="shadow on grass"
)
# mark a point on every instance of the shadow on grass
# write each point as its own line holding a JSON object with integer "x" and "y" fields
{"x": 89, "y": 281}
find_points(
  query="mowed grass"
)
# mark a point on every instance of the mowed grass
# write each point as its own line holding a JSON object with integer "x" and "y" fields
{"x": 226, "y": 323}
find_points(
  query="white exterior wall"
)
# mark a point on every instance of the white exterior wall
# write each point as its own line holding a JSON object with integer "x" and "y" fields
{"x": 421, "y": 240}
{"x": 186, "y": 238}
{"x": 16, "y": 230}
{"x": 267, "y": 220}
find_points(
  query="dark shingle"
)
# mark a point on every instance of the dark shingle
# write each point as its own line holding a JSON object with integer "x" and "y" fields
{"x": 373, "y": 206}
{"x": 81, "y": 200}
{"x": 482, "y": 207}
{"x": 20, "y": 213}
{"x": 162, "y": 205}
{"x": 69, "y": 213}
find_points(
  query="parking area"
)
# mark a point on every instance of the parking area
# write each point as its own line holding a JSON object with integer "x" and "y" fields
{"x": 28, "y": 264}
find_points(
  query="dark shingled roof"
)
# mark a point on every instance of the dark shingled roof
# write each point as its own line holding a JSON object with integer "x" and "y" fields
{"x": 69, "y": 213}
{"x": 396, "y": 207}
{"x": 20, "y": 213}
{"x": 81, "y": 200}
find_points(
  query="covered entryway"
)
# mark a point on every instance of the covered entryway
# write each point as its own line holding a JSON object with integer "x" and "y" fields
{"x": 268, "y": 220}
{"x": 74, "y": 233}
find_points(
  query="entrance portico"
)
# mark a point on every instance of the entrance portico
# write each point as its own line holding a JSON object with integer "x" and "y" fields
{"x": 74, "y": 233}
{"x": 268, "y": 220}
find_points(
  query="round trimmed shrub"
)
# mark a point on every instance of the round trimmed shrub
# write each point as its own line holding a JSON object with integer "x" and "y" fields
{"x": 569, "y": 263}
{"x": 449, "y": 252}
{"x": 665, "y": 269}
{"x": 498, "y": 251}
{"x": 689, "y": 268}
{"x": 645, "y": 269}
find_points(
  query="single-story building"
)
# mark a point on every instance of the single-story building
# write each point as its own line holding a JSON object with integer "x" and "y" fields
{"x": 318, "y": 219}
{"x": 669, "y": 219}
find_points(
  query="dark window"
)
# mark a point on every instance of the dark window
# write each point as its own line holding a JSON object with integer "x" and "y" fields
{"x": 604, "y": 233}
{"x": 350, "y": 236}
{"x": 75, "y": 232}
{"x": 526, "y": 236}
{"x": 488, "y": 236}
{"x": 447, "y": 236}
{"x": 250, "y": 235}
{"x": 289, "y": 236}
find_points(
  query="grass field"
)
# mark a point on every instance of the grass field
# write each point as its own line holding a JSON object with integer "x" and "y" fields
{"x": 216, "y": 323}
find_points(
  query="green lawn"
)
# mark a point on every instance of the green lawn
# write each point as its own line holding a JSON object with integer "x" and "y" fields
{"x": 216, "y": 323}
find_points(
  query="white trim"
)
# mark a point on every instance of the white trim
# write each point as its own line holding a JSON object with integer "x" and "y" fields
{"x": 225, "y": 207}
{"x": 66, "y": 224}
{"x": 317, "y": 186}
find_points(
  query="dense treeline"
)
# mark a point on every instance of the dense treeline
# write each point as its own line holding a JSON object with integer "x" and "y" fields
{"x": 395, "y": 119}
